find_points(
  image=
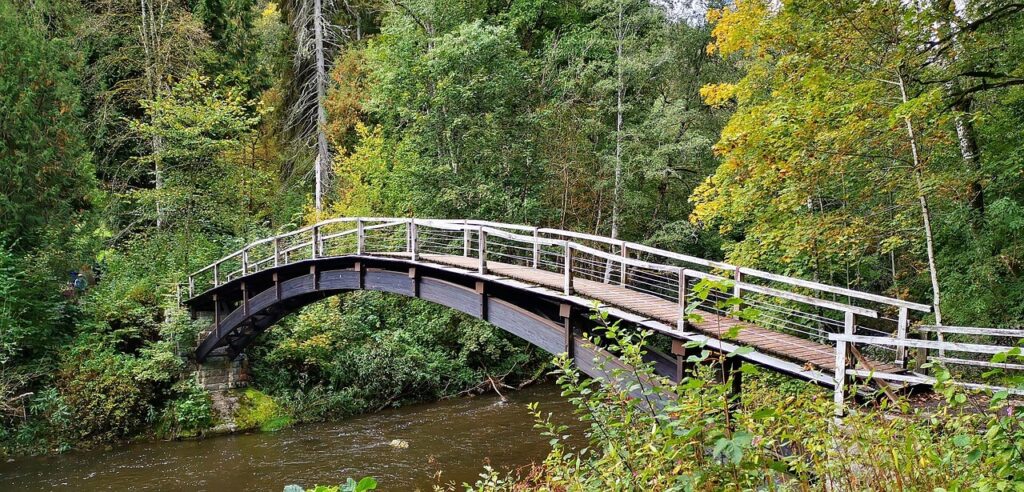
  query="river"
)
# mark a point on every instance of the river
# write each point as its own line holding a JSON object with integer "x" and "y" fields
{"x": 450, "y": 439}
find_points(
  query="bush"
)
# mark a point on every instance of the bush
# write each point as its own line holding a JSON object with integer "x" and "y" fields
{"x": 771, "y": 441}
{"x": 112, "y": 395}
{"x": 188, "y": 414}
{"x": 257, "y": 410}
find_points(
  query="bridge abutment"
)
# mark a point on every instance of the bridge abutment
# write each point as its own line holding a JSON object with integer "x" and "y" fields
{"x": 222, "y": 376}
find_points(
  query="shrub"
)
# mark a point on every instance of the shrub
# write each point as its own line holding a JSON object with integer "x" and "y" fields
{"x": 770, "y": 441}
{"x": 188, "y": 414}
{"x": 257, "y": 410}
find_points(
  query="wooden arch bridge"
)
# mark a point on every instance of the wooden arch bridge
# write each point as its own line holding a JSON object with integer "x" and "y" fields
{"x": 541, "y": 284}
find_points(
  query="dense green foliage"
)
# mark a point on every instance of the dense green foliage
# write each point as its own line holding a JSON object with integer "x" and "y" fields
{"x": 777, "y": 436}
{"x": 874, "y": 144}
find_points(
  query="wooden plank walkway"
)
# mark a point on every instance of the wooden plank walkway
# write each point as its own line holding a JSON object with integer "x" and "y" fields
{"x": 811, "y": 354}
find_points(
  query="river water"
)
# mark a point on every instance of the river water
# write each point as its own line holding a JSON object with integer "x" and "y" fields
{"x": 449, "y": 441}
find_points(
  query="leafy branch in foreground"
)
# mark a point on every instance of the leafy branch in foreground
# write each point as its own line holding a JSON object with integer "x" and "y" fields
{"x": 776, "y": 436}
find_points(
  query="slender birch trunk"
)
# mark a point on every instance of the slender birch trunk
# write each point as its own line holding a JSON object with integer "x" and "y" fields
{"x": 923, "y": 200}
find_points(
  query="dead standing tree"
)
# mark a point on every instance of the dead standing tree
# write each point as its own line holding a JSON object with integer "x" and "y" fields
{"x": 316, "y": 41}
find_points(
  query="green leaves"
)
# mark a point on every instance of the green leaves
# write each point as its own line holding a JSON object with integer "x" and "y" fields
{"x": 732, "y": 448}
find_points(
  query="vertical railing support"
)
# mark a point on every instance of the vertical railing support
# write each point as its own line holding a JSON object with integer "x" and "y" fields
{"x": 216, "y": 274}
{"x": 737, "y": 278}
{"x": 849, "y": 326}
{"x": 839, "y": 397}
{"x": 536, "y": 247}
{"x": 624, "y": 252}
{"x": 482, "y": 249}
{"x": 681, "y": 323}
{"x": 315, "y": 239}
{"x": 245, "y": 262}
{"x": 277, "y": 252}
{"x": 409, "y": 236}
{"x": 466, "y": 238}
{"x": 413, "y": 240}
{"x": 901, "y": 334}
{"x": 360, "y": 238}
{"x": 567, "y": 286}
{"x": 192, "y": 286}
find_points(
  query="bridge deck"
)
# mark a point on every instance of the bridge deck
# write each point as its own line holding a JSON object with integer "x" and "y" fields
{"x": 806, "y": 352}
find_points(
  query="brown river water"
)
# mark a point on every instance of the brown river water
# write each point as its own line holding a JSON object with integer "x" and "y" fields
{"x": 453, "y": 437}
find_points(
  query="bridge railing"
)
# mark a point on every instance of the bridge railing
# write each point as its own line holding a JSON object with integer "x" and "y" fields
{"x": 961, "y": 353}
{"x": 806, "y": 308}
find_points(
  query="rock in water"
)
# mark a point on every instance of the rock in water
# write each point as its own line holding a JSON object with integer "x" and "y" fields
{"x": 399, "y": 443}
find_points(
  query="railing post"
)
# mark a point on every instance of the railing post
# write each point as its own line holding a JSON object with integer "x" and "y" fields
{"x": 245, "y": 262}
{"x": 482, "y": 249}
{"x": 536, "y": 247}
{"x": 277, "y": 252}
{"x": 737, "y": 278}
{"x": 360, "y": 238}
{"x": 408, "y": 236}
{"x": 192, "y": 286}
{"x": 681, "y": 324}
{"x": 849, "y": 326}
{"x": 216, "y": 274}
{"x": 316, "y": 238}
{"x": 567, "y": 287}
{"x": 839, "y": 397}
{"x": 413, "y": 240}
{"x": 467, "y": 238}
{"x": 901, "y": 334}
{"x": 625, "y": 255}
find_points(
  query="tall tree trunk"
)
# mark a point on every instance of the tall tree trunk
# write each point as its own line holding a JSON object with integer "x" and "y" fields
{"x": 923, "y": 200}
{"x": 154, "y": 75}
{"x": 620, "y": 35}
{"x": 323, "y": 156}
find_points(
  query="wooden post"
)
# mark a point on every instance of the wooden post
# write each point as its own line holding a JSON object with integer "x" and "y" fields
{"x": 408, "y": 236}
{"x": 683, "y": 368}
{"x": 192, "y": 286}
{"x": 481, "y": 291}
{"x": 565, "y": 311}
{"x": 413, "y": 240}
{"x": 216, "y": 275}
{"x": 901, "y": 334}
{"x": 839, "y": 397}
{"x": 245, "y": 299}
{"x": 466, "y": 238}
{"x": 849, "y": 326}
{"x": 245, "y": 262}
{"x": 316, "y": 237}
{"x": 360, "y": 238}
{"x": 216, "y": 312}
{"x": 737, "y": 278}
{"x": 277, "y": 252}
{"x": 415, "y": 279}
{"x": 624, "y": 252}
{"x": 567, "y": 287}
{"x": 536, "y": 247}
{"x": 735, "y": 384}
{"x": 682, "y": 299}
{"x": 482, "y": 249}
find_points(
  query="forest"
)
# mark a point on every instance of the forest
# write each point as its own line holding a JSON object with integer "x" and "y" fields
{"x": 872, "y": 144}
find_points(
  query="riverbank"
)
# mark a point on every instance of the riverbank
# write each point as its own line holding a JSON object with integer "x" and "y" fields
{"x": 449, "y": 441}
